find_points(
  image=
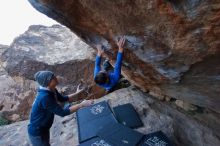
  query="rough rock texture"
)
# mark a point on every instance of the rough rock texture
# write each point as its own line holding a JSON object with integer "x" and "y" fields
{"x": 172, "y": 47}
{"x": 2, "y": 50}
{"x": 53, "y": 48}
{"x": 16, "y": 97}
{"x": 181, "y": 128}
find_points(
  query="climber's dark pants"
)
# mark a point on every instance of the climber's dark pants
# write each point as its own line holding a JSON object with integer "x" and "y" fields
{"x": 107, "y": 66}
{"x": 119, "y": 85}
{"x": 43, "y": 140}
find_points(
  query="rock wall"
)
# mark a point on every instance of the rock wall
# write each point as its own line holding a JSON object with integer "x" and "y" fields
{"x": 172, "y": 47}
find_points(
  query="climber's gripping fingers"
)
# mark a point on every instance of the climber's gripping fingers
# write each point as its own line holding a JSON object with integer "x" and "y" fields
{"x": 100, "y": 50}
{"x": 121, "y": 43}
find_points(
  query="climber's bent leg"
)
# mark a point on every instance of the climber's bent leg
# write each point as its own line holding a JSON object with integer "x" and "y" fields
{"x": 106, "y": 65}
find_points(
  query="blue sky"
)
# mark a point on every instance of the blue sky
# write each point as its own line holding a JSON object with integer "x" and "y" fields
{"x": 16, "y": 16}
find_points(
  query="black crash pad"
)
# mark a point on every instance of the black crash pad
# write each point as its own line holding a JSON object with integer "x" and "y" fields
{"x": 127, "y": 115}
{"x": 119, "y": 135}
{"x": 156, "y": 139}
{"x": 96, "y": 141}
{"x": 93, "y": 118}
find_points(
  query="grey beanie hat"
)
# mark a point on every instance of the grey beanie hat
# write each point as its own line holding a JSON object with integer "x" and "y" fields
{"x": 44, "y": 77}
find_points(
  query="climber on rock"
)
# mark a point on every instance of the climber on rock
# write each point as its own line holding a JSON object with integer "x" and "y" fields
{"x": 45, "y": 106}
{"x": 104, "y": 78}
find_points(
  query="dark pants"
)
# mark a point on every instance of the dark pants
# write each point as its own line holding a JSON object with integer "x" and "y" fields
{"x": 43, "y": 140}
{"x": 107, "y": 66}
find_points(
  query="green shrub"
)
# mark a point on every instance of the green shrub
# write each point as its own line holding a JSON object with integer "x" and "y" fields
{"x": 3, "y": 121}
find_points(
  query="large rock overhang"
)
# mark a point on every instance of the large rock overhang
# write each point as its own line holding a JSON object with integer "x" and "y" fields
{"x": 172, "y": 47}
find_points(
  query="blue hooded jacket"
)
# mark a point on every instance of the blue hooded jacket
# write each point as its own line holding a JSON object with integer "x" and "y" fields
{"x": 113, "y": 76}
{"x": 43, "y": 110}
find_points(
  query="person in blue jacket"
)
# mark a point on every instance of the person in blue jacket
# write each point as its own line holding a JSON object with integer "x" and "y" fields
{"x": 103, "y": 78}
{"x": 45, "y": 106}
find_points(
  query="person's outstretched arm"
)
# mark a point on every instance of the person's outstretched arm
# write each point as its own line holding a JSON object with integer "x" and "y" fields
{"x": 98, "y": 60}
{"x": 117, "y": 68}
{"x": 73, "y": 97}
{"x": 84, "y": 103}
{"x": 51, "y": 105}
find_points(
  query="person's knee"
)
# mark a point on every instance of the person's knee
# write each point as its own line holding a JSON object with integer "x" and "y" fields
{"x": 35, "y": 140}
{"x": 43, "y": 140}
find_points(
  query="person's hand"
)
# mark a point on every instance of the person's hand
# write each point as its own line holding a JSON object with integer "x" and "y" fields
{"x": 86, "y": 103}
{"x": 78, "y": 88}
{"x": 121, "y": 43}
{"x": 100, "y": 50}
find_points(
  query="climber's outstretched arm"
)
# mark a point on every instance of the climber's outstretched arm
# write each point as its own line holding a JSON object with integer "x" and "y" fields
{"x": 98, "y": 60}
{"x": 117, "y": 68}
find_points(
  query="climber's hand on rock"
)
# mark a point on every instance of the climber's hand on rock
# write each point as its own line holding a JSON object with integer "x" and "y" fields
{"x": 86, "y": 103}
{"x": 100, "y": 50}
{"x": 121, "y": 43}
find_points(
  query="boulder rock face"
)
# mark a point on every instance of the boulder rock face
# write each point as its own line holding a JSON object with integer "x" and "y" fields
{"x": 2, "y": 50}
{"x": 53, "y": 48}
{"x": 182, "y": 129}
{"x": 172, "y": 47}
